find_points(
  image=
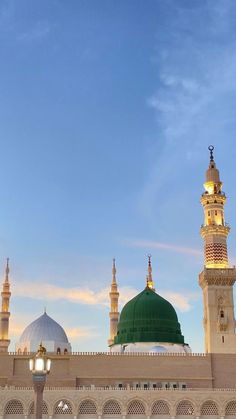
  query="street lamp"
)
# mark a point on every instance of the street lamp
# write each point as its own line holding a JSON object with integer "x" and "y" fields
{"x": 39, "y": 366}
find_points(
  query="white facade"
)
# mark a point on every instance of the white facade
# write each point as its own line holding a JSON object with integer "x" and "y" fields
{"x": 152, "y": 347}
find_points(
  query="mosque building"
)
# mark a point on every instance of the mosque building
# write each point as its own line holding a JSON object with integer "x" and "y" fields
{"x": 149, "y": 370}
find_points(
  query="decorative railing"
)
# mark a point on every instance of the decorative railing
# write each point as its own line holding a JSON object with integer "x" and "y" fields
{"x": 151, "y": 354}
{"x": 111, "y": 388}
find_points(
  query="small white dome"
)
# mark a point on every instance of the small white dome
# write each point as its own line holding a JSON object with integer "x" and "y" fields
{"x": 45, "y": 330}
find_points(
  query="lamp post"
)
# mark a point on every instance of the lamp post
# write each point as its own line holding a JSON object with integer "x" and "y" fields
{"x": 40, "y": 367}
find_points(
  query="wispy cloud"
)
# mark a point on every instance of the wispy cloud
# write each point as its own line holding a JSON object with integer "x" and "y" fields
{"x": 16, "y": 327}
{"x": 81, "y": 333}
{"x": 74, "y": 295}
{"x": 182, "y": 301}
{"x": 37, "y": 32}
{"x": 148, "y": 244}
{"x": 10, "y": 24}
{"x": 195, "y": 97}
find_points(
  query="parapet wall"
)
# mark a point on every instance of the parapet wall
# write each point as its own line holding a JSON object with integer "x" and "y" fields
{"x": 111, "y": 369}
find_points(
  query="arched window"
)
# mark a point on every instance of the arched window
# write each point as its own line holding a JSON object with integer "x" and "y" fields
{"x": 230, "y": 409}
{"x": 160, "y": 407}
{"x": 87, "y": 407}
{"x": 58, "y": 351}
{"x": 209, "y": 408}
{"x": 63, "y": 407}
{"x": 44, "y": 408}
{"x": 14, "y": 407}
{"x": 185, "y": 408}
{"x": 136, "y": 407}
{"x": 65, "y": 351}
{"x": 222, "y": 315}
{"x": 111, "y": 407}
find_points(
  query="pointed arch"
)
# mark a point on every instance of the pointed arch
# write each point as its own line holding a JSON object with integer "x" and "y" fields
{"x": 14, "y": 407}
{"x": 209, "y": 408}
{"x": 136, "y": 407}
{"x": 44, "y": 408}
{"x": 111, "y": 407}
{"x": 185, "y": 408}
{"x": 230, "y": 410}
{"x": 87, "y": 407}
{"x": 160, "y": 407}
{"x": 63, "y": 407}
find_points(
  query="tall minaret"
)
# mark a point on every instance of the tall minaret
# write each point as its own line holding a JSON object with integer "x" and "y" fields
{"x": 114, "y": 313}
{"x": 5, "y": 313}
{"x": 217, "y": 278}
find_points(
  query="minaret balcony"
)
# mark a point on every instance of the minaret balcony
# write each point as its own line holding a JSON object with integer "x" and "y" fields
{"x": 215, "y": 229}
{"x": 217, "y": 276}
{"x": 207, "y": 198}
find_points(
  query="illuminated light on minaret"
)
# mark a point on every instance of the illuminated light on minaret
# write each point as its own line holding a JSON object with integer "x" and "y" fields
{"x": 114, "y": 298}
{"x": 5, "y": 313}
{"x": 217, "y": 278}
{"x": 150, "y": 283}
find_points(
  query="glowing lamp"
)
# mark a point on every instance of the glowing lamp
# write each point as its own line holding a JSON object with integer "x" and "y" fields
{"x": 40, "y": 364}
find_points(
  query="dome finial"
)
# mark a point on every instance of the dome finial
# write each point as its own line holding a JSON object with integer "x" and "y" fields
{"x": 211, "y": 149}
{"x": 150, "y": 283}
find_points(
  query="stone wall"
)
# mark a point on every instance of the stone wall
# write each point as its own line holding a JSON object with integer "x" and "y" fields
{"x": 105, "y": 369}
{"x": 113, "y": 403}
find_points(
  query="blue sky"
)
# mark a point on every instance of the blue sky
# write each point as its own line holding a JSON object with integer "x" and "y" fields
{"x": 106, "y": 112}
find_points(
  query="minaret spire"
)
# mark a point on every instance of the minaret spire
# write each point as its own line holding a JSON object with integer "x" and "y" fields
{"x": 114, "y": 313}
{"x": 7, "y": 270}
{"x": 113, "y": 271}
{"x": 5, "y": 313}
{"x": 150, "y": 283}
{"x": 214, "y": 231}
{"x": 217, "y": 278}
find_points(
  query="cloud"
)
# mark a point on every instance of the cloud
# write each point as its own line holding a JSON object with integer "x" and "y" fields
{"x": 183, "y": 302}
{"x": 10, "y": 24}
{"x": 37, "y": 32}
{"x": 16, "y": 327}
{"x": 53, "y": 292}
{"x": 78, "y": 333}
{"x": 75, "y": 295}
{"x": 87, "y": 297}
{"x": 195, "y": 97}
{"x": 164, "y": 246}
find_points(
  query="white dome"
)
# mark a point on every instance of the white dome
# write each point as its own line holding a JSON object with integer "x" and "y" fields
{"x": 45, "y": 330}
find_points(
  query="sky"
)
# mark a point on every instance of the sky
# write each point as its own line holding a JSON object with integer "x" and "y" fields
{"x": 107, "y": 109}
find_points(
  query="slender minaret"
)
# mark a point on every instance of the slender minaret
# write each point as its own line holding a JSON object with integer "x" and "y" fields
{"x": 114, "y": 313}
{"x": 217, "y": 278}
{"x": 5, "y": 313}
{"x": 150, "y": 283}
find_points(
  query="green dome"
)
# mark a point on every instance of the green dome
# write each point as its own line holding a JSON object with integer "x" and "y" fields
{"x": 148, "y": 318}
